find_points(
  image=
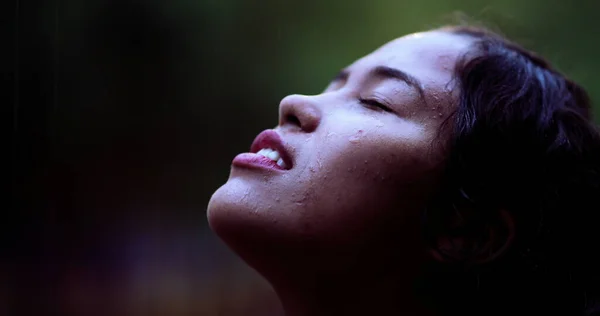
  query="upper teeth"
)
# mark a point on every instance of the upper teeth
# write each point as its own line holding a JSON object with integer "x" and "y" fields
{"x": 273, "y": 155}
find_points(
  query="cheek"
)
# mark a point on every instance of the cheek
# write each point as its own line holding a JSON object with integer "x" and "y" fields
{"x": 381, "y": 152}
{"x": 359, "y": 181}
{"x": 369, "y": 171}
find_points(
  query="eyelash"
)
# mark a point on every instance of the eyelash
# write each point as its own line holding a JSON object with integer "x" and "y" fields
{"x": 374, "y": 103}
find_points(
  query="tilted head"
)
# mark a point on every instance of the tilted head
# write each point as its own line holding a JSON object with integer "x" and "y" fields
{"x": 448, "y": 155}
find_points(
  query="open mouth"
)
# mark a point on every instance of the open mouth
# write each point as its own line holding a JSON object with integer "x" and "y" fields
{"x": 274, "y": 155}
{"x": 268, "y": 144}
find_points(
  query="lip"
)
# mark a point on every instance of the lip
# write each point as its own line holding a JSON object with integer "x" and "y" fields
{"x": 266, "y": 139}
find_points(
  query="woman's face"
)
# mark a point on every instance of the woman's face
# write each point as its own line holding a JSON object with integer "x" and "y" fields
{"x": 356, "y": 172}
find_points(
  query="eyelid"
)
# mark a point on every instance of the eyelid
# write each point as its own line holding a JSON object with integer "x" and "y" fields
{"x": 382, "y": 99}
{"x": 382, "y": 103}
{"x": 387, "y": 105}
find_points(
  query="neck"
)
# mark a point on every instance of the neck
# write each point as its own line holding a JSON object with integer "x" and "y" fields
{"x": 362, "y": 290}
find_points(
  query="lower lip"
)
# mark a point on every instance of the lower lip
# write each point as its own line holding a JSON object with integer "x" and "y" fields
{"x": 254, "y": 161}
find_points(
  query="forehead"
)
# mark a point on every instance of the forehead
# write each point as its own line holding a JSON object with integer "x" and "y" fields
{"x": 428, "y": 56}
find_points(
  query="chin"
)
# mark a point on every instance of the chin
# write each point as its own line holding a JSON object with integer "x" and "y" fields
{"x": 228, "y": 209}
{"x": 258, "y": 235}
{"x": 241, "y": 215}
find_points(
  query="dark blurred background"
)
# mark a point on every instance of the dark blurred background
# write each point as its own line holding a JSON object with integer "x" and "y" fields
{"x": 126, "y": 115}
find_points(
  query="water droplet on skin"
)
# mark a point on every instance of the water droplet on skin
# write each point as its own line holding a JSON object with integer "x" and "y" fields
{"x": 440, "y": 114}
{"x": 379, "y": 124}
{"x": 246, "y": 193}
{"x": 276, "y": 199}
{"x": 356, "y": 138}
{"x": 366, "y": 162}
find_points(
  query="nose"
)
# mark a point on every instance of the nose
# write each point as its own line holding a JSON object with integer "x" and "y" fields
{"x": 299, "y": 111}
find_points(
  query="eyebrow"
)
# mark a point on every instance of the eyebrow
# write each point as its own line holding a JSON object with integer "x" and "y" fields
{"x": 387, "y": 73}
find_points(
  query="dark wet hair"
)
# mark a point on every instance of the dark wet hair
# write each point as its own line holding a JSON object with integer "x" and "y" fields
{"x": 522, "y": 140}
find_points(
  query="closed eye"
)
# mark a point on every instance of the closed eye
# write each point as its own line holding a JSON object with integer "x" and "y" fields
{"x": 374, "y": 104}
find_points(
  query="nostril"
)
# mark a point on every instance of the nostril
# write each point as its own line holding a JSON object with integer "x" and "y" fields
{"x": 293, "y": 120}
{"x": 299, "y": 113}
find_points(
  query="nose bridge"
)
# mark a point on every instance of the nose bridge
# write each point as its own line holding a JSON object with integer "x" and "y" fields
{"x": 301, "y": 110}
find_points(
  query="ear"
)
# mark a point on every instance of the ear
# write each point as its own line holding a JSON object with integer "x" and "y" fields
{"x": 477, "y": 241}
